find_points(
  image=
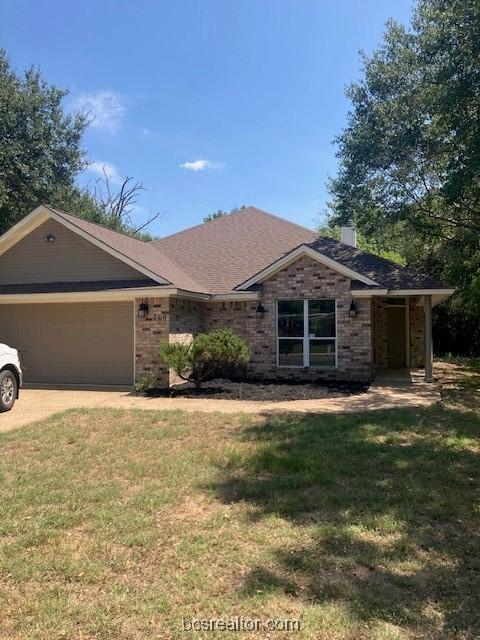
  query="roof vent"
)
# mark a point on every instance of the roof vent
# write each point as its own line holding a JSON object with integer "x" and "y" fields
{"x": 349, "y": 234}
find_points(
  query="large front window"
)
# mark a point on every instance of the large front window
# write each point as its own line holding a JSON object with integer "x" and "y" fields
{"x": 306, "y": 333}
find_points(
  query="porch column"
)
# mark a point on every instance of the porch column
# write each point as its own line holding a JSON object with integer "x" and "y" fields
{"x": 428, "y": 339}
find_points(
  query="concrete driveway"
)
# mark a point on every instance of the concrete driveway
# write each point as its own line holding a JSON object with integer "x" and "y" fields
{"x": 38, "y": 404}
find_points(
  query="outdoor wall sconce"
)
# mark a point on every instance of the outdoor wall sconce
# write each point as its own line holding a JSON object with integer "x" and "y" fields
{"x": 50, "y": 238}
{"x": 143, "y": 309}
{"x": 260, "y": 311}
{"x": 353, "y": 311}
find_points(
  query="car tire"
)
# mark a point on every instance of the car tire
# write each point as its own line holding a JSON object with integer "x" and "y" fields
{"x": 8, "y": 390}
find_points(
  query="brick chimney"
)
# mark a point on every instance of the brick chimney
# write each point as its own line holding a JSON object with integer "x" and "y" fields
{"x": 349, "y": 234}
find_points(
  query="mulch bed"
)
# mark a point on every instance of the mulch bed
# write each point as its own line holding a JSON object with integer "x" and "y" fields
{"x": 275, "y": 391}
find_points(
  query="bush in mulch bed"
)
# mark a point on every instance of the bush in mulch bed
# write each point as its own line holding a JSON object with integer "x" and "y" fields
{"x": 266, "y": 390}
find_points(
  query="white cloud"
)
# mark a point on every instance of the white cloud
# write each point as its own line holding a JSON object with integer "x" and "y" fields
{"x": 106, "y": 169}
{"x": 106, "y": 109}
{"x": 200, "y": 165}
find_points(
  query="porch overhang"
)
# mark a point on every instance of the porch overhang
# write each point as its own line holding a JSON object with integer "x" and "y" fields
{"x": 437, "y": 295}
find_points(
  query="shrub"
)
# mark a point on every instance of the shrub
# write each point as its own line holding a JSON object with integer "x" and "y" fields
{"x": 219, "y": 352}
{"x": 144, "y": 382}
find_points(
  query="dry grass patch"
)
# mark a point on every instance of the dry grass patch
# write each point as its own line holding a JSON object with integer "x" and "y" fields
{"x": 459, "y": 380}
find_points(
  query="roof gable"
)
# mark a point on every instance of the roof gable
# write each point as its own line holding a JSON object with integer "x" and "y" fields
{"x": 226, "y": 251}
{"x": 366, "y": 270}
{"x": 116, "y": 244}
{"x": 70, "y": 257}
{"x": 296, "y": 254}
{"x": 141, "y": 256}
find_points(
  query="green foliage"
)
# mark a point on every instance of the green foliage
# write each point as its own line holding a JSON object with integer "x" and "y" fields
{"x": 410, "y": 155}
{"x": 219, "y": 352}
{"x": 378, "y": 246}
{"x": 216, "y": 214}
{"x": 410, "y": 148}
{"x": 40, "y": 152}
{"x": 144, "y": 382}
{"x": 220, "y": 213}
{"x": 179, "y": 357}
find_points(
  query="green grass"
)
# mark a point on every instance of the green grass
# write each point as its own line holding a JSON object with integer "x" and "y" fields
{"x": 115, "y": 524}
{"x": 465, "y": 362}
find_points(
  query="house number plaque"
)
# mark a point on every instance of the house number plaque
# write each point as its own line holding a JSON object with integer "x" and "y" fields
{"x": 162, "y": 316}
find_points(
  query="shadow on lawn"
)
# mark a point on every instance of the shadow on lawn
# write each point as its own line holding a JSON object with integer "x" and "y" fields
{"x": 461, "y": 384}
{"x": 385, "y": 508}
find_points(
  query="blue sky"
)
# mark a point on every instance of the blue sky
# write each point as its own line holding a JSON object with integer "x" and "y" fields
{"x": 212, "y": 103}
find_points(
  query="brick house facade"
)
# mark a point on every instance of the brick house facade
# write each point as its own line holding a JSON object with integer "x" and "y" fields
{"x": 90, "y": 306}
{"x": 362, "y": 342}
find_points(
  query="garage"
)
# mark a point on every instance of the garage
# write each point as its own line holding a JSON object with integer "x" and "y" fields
{"x": 72, "y": 344}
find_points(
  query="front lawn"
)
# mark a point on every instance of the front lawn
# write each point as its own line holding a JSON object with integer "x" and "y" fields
{"x": 116, "y": 524}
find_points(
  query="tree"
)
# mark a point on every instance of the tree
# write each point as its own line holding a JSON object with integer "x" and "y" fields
{"x": 41, "y": 156}
{"x": 410, "y": 153}
{"x": 114, "y": 208}
{"x": 220, "y": 213}
{"x": 410, "y": 148}
{"x": 40, "y": 145}
{"x": 219, "y": 352}
{"x": 380, "y": 246}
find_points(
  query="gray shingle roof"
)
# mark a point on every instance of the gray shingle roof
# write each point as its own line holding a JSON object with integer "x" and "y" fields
{"x": 385, "y": 272}
{"x": 222, "y": 253}
{"x": 218, "y": 256}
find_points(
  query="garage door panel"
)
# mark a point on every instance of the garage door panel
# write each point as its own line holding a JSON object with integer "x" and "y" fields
{"x": 72, "y": 343}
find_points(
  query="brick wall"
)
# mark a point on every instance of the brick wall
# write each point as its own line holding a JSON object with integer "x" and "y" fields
{"x": 303, "y": 279}
{"x": 175, "y": 319}
{"x": 169, "y": 319}
{"x": 149, "y": 332}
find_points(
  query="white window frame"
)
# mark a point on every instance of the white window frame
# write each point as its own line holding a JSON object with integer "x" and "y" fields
{"x": 306, "y": 338}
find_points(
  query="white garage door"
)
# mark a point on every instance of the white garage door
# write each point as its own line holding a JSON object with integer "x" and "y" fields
{"x": 72, "y": 343}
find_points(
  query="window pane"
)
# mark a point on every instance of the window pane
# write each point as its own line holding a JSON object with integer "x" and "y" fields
{"x": 290, "y": 318}
{"x": 287, "y": 307}
{"x": 322, "y": 353}
{"x": 290, "y": 353}
{"x": 321, "y": 318}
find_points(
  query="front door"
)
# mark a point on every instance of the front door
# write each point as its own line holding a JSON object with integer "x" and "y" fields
{"x": 396, "y": 337}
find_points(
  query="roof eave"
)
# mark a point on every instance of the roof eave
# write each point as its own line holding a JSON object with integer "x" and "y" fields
{"x": 368, "y": 293}
{"x": 130, "y": 293}
{"x": 438, "y": 295}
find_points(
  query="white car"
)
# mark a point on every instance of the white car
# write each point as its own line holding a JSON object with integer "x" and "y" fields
{"x": 10, "y": 377}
